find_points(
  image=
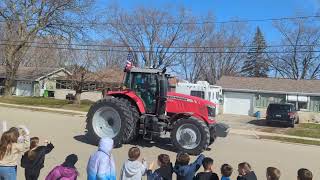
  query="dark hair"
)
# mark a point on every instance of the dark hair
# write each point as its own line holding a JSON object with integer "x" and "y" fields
{"x": 244, "y": 165}
{"x": 134, "y": 153}
{"x": 226, "y": 170}
{"x": 183, "y": 159}
{"x": 34, "y": 141}
{"x": 70, "y": 161}
{"x": 304, "y": 174}
{"x": 273, "y": 173}
{"x": 164, "y": 160}
{"x": 207, "y": 163}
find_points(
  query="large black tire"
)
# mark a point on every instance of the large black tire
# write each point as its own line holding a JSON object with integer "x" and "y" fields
{"x": 200, "y": 129}
{"x": 124, "y": 113}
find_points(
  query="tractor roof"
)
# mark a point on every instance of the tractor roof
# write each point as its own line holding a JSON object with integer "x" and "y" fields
{"x": 146, "y": 70}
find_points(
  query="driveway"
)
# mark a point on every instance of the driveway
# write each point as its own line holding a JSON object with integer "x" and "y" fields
{"x": 66, "y": 133}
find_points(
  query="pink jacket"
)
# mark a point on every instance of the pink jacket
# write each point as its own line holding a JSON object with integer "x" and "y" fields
{"x": 62, "y": 173}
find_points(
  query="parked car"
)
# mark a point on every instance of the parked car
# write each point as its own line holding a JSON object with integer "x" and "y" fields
{"x": 282, "y": 114}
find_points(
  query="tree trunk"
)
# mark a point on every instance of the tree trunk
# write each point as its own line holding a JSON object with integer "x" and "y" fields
{"x": 9, "y": 83}
{"x": 77, "y": 98}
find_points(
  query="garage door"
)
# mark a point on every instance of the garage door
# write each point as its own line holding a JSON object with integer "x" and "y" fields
{"x": 24, "y": 88}
{"x": 238, "y": 103}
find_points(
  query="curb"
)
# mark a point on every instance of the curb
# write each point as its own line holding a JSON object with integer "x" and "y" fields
{"x": 64, "y": 111}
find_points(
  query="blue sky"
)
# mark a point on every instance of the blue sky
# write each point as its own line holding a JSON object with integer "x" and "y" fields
{"x": 225, "y": 10}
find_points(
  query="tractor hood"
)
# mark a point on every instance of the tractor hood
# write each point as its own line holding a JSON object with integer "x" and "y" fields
{"x": 189, "y": 98}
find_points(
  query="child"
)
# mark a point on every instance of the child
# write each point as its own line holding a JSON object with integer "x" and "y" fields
{"x": 101, "y": 164}
{"x": 245, "y": 172}
{"x": 164, "y": 172}
{"x": 33, "y": 160}
{"x": 10, "y": 151}
{"x": 226, "y": 172}
{"x": 65, "y": 171}
{"x": 132, "y": 168}
{"x": 273, "y": 173}
{"x": 207, "y": 164}
{"x": 304, "y": 174}
{"x": 183, "y": 169}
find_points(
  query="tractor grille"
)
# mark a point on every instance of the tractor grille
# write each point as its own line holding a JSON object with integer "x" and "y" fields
{"x": 211, "y": 111}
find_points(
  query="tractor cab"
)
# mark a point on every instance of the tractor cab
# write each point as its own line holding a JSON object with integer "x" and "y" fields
{"x": 148, "y": 84}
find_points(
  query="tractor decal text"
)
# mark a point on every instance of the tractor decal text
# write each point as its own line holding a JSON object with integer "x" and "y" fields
{"x": 180, "y": 98}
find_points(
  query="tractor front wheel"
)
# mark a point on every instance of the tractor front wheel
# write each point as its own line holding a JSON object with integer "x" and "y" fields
{"x": 113, "y": 118}
{"x": 190, "y": 135}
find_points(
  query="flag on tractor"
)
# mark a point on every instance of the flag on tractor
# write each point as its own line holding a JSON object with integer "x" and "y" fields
{"x": 129, "y": 63}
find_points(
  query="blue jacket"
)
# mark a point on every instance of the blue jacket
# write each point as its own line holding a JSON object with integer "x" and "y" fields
{"x": 101, "y": 164}
{"x": 188, "y": 172}
{"x": 225, "y": 178}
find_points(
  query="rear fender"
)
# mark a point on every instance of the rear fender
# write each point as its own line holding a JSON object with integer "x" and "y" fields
{"x": 132, "y": 97}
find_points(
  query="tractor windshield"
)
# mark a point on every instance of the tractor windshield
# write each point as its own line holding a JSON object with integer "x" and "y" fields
{"x": 145, "y": 85}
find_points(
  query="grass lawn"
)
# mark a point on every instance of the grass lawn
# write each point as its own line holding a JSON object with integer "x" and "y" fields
{"x": 47, "y": 102}
{"x": 291, "y": 140}
{"x": 302, "y": 130}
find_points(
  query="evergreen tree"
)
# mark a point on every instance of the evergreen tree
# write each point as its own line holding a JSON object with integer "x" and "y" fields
{"x": 256, "y": 64}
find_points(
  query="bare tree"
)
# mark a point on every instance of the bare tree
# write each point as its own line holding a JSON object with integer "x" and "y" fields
{"x": 226, "y": 56}
{"x": 79, "y": 65}
{"x": 150, "y": 34}
{"x": 298, "y": 59}
{"x": 24, "y": 21}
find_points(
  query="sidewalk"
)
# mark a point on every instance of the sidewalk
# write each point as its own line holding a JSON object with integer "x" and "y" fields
{"x": 257, "y": 134}
{"x": 44, "y": 109}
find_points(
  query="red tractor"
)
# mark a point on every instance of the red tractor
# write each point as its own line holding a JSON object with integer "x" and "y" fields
{"x": 143, "y": 106}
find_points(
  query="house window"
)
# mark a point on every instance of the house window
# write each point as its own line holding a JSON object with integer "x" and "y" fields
{"x": 302, "y": 105}
{"x": 199, "y": 94}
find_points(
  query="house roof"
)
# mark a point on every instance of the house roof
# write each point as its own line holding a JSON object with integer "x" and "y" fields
{"x": 32, "y": 73}
{"x": 270, "y": 85}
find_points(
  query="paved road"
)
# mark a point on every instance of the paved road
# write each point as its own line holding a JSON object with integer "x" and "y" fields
{"x": 66, "y": 132}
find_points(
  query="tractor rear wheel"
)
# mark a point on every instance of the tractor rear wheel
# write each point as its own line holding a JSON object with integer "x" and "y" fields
{"x": 190, "y": 135}
{"x": 111, "y": 117}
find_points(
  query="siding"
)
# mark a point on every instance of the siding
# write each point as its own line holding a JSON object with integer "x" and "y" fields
{"x": 314, "y": 104}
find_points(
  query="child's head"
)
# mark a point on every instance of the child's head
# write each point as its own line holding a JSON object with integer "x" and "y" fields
{"x": 183, "y": 159}
{"x": 304, "y": 174}
{"x": 134, "y": 153}
{"x": 14, "y": 133}
{"x": 70, "y": 161}
{"x": 226, "y": 170}
{"x": 244, "y": 168}
{"x": 163, "y": 160}
{"x": 34, "y": 142}
{"x": 207, "y": 163}
{"x": 273, "y": 173}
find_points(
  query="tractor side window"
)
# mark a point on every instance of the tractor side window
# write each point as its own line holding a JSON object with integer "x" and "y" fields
{"x": 199, "y": 94}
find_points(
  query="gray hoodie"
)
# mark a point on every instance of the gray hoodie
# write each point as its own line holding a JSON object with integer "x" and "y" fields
{"x": 133, "y": 170}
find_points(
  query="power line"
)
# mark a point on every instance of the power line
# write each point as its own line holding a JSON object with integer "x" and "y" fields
{"x": 169, "y": 47}
{"x": 178, "y": 23}
{"x": 169, "y": 52}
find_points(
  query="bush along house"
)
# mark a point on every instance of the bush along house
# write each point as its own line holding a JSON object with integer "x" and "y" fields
{"x": 247, "y": 95}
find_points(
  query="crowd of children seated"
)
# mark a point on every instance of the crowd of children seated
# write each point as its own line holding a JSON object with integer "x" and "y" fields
{"x": 16, "y": 142}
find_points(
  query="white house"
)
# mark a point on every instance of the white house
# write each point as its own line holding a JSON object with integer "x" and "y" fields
{"x": 246, "y": 95}
{"x": 34, "y": 81}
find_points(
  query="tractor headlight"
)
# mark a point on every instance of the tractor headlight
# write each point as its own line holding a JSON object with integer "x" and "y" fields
{"x": 211, "y": 111}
